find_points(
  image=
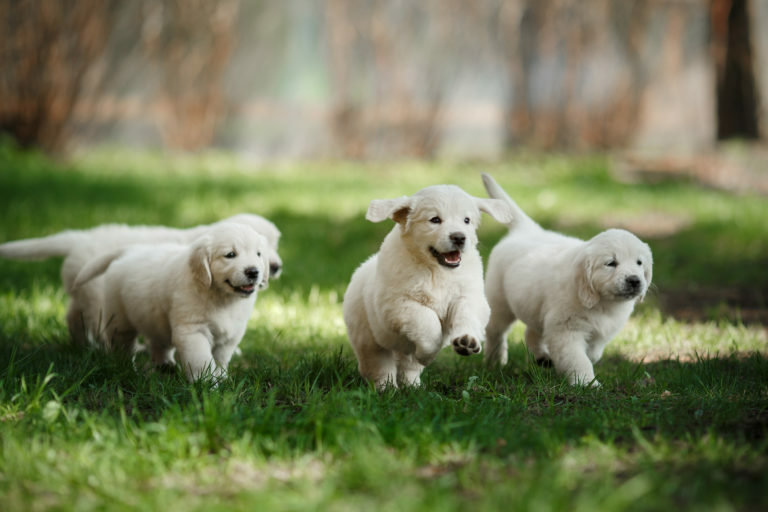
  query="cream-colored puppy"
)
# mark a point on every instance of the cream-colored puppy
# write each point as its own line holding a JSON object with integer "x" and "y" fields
{"x": 423, "y": 290}
{"x": 195, "y": 299}
{"x": 572, "y": 295}
{"x": 81, "y": 246}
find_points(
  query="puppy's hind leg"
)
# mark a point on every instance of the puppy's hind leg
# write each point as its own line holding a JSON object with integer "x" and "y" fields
{"x": 76, "y": 323}
{"x": 537, "y": 348}
{"x": 496, "y": 334}
{"x": 116, "y": 333}
{"x": 408, "y": 370}
{"x": 377, "y": 364}
{"x": 161, "y": 354}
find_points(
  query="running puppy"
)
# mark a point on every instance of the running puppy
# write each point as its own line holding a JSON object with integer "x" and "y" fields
{"x": 195, "y": 299}
{"x": 423, "y": 290}
{"x": 80, "y": 246}
{"x": 572, "y": 295}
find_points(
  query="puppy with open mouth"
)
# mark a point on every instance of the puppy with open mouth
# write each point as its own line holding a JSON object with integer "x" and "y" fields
{"x": 78, "y": 247}
{"x": 572, "y": 295}
{"x": 192, "y": 300}
{"x": 423, "y": 290}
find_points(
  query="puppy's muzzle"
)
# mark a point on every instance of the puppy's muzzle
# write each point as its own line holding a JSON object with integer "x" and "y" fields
{"x": 252, "y": 275}
{"x": 458, "y": 239}
{"x": 632, "y": 286}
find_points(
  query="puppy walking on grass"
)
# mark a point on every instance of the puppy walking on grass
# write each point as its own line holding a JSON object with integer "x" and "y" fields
{"x": 78, "y": 247}
{"x": 423, "y": 290}
{"x": 194, "y": 300}
{"x": 572, "y": 295}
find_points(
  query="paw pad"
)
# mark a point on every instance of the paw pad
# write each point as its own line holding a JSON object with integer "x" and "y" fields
{"x": 466, "y": 345}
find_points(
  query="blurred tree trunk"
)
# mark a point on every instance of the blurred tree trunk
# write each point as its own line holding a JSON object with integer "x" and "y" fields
{"x": 56, "y": 54}
{"x": 192, "y": 42}
{"x": 737, "y": 102}
{"x": 395, "y": 114}
{"x": 596, "y": 74}
{"x": 48, "y": 49}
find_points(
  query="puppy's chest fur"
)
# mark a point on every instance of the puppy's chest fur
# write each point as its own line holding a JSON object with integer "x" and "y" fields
{"x": 228, "y": 324}
{"x": 432, "y": 287}
{"x": 602, "y": 323}
{"x": 224, "y": 323}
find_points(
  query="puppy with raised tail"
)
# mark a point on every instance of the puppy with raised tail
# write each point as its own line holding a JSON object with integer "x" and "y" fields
{"x": 423, "y": 290}
{"x": 192, "y": 299}
{"x": 78, "y": 247}
{"x": 572, "y": 295}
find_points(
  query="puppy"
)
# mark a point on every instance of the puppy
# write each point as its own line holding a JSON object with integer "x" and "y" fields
{"x": 423, "y": 290}
{"x": 572, "y": 295}
{"x": 81, "y": 246}
{"x": 195, "y": 299}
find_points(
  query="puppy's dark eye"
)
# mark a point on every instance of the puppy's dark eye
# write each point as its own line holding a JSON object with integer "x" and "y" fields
{"x": 466, "y": 220}
{"x": 258, "y": 254}
{"x": 640, "y": 262}
{"x": 230, "y": 255}
{"x": 435, "y": 220}
{"x": 612, "y": 263}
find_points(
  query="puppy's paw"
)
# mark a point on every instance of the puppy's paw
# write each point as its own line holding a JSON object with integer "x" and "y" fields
{"x": 466, "y": 345}
{"x": 585, "y": 381}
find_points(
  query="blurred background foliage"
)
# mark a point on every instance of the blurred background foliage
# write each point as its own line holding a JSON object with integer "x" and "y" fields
{"x": 383, "y": 79}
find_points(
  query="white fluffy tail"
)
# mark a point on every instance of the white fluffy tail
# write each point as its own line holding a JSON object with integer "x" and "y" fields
{"x": 96, "y": 266}
{"x": 60, "y": 244}
{"x": 520, "y": 219}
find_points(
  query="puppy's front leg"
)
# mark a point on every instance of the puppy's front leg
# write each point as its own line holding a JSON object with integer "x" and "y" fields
{"x": 223, "y": 353}
{"x": 422, "y": 327}
{"x": 569, "y": 355}
{"x": 193, "y": 350}
{"x": 467, "y": 321}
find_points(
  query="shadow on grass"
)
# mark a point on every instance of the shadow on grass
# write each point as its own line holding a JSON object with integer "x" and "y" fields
{"x": 515, "y": 410}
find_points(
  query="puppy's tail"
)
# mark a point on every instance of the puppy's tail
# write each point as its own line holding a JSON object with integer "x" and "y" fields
{"x": 519, "y": 219}
{"x": 96, "y": 266}
{"x": 59, "y": 244}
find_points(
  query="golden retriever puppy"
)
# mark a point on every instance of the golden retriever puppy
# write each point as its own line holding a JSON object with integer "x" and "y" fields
{"x": 193, "y": 299}
{"x": 80, "y": 246}
{"x": 423, "y": 290}
{"x": 572, "y": 295}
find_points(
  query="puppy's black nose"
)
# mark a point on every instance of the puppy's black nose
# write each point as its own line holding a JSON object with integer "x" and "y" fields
{"x": 633, "y": 282}
{"x": 251, "y": 272}
{"x": 274, "y": 269}
{"x": 458, "y": 239}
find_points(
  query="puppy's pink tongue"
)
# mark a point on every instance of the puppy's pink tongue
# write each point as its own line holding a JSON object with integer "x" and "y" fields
{"x": 452, "y": 257}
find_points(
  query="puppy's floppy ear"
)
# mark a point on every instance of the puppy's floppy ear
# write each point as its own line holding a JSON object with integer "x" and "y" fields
{"x": 588, "y": 296}
{"x": 396, "y": 209}
{"x": 647, "y": 270}
{"x": 496, "y": 208}
{"x": 200, "y": 261}
{"x": 264, "y": 282}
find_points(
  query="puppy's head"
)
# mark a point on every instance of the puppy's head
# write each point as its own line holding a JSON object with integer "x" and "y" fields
{"x": 231, "y": 258}
{"x": 616, "y": 266}
{"x": 438, "y": 223}
{"x": 267, "y": 229}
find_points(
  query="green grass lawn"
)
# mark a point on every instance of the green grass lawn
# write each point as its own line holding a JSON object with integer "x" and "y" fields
{"x": 680, "y": 421}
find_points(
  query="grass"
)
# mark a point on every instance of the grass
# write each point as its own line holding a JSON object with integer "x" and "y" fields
{"x": 680, "y": 421}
